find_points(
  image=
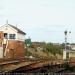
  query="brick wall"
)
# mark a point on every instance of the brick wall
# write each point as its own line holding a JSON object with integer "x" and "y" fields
{"x": 15, "y": 49}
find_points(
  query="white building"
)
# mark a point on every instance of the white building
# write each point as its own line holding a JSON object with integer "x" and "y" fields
{"x": 11, "y": 34}
{"x": 70, "y": 52}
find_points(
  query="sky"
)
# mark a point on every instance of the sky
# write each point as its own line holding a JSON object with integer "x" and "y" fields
{"x": 42, "y": 20}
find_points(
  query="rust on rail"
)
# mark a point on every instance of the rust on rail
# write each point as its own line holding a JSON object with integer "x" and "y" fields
{"x": 9, "y": 65}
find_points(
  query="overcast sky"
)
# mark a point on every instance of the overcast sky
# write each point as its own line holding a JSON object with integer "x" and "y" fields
{"x": 42, "y": 20}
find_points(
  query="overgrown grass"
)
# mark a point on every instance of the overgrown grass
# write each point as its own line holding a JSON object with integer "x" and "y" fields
{"x": 54, "y": 49}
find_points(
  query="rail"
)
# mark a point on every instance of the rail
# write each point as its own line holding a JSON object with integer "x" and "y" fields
{"x": 29, "y": 64}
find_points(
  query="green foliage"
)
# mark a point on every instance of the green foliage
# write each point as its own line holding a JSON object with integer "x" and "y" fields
{"x": 28, "y": 53}
{"x": 54, "y": 48}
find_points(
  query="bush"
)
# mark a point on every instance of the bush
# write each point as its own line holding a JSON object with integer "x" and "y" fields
{"x": 54, "y": 49}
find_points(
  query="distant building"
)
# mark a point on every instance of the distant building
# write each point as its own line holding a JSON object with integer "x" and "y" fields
{"x": 56, "y": 44}
{"x": 72, "y": 47}
{"x": 11, "y": 42}
{"x": 70, "y": 52}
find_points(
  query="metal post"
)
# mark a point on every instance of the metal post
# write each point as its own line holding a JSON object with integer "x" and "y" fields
{"x": 65, "y": 39}
{"x": 64, "y": 51}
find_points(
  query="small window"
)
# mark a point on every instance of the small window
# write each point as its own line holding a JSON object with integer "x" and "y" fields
{"x": 12, "y": 36}
{"x": 5, "y": 35}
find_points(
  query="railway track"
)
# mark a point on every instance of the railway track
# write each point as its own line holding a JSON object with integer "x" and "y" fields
{"x": 36, "y": 64}
{"x": 32, "y": 65}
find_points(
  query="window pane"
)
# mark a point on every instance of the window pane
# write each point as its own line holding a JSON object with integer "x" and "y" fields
{"x": 5, "y": 35}
{"x": 11, "y": 36}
